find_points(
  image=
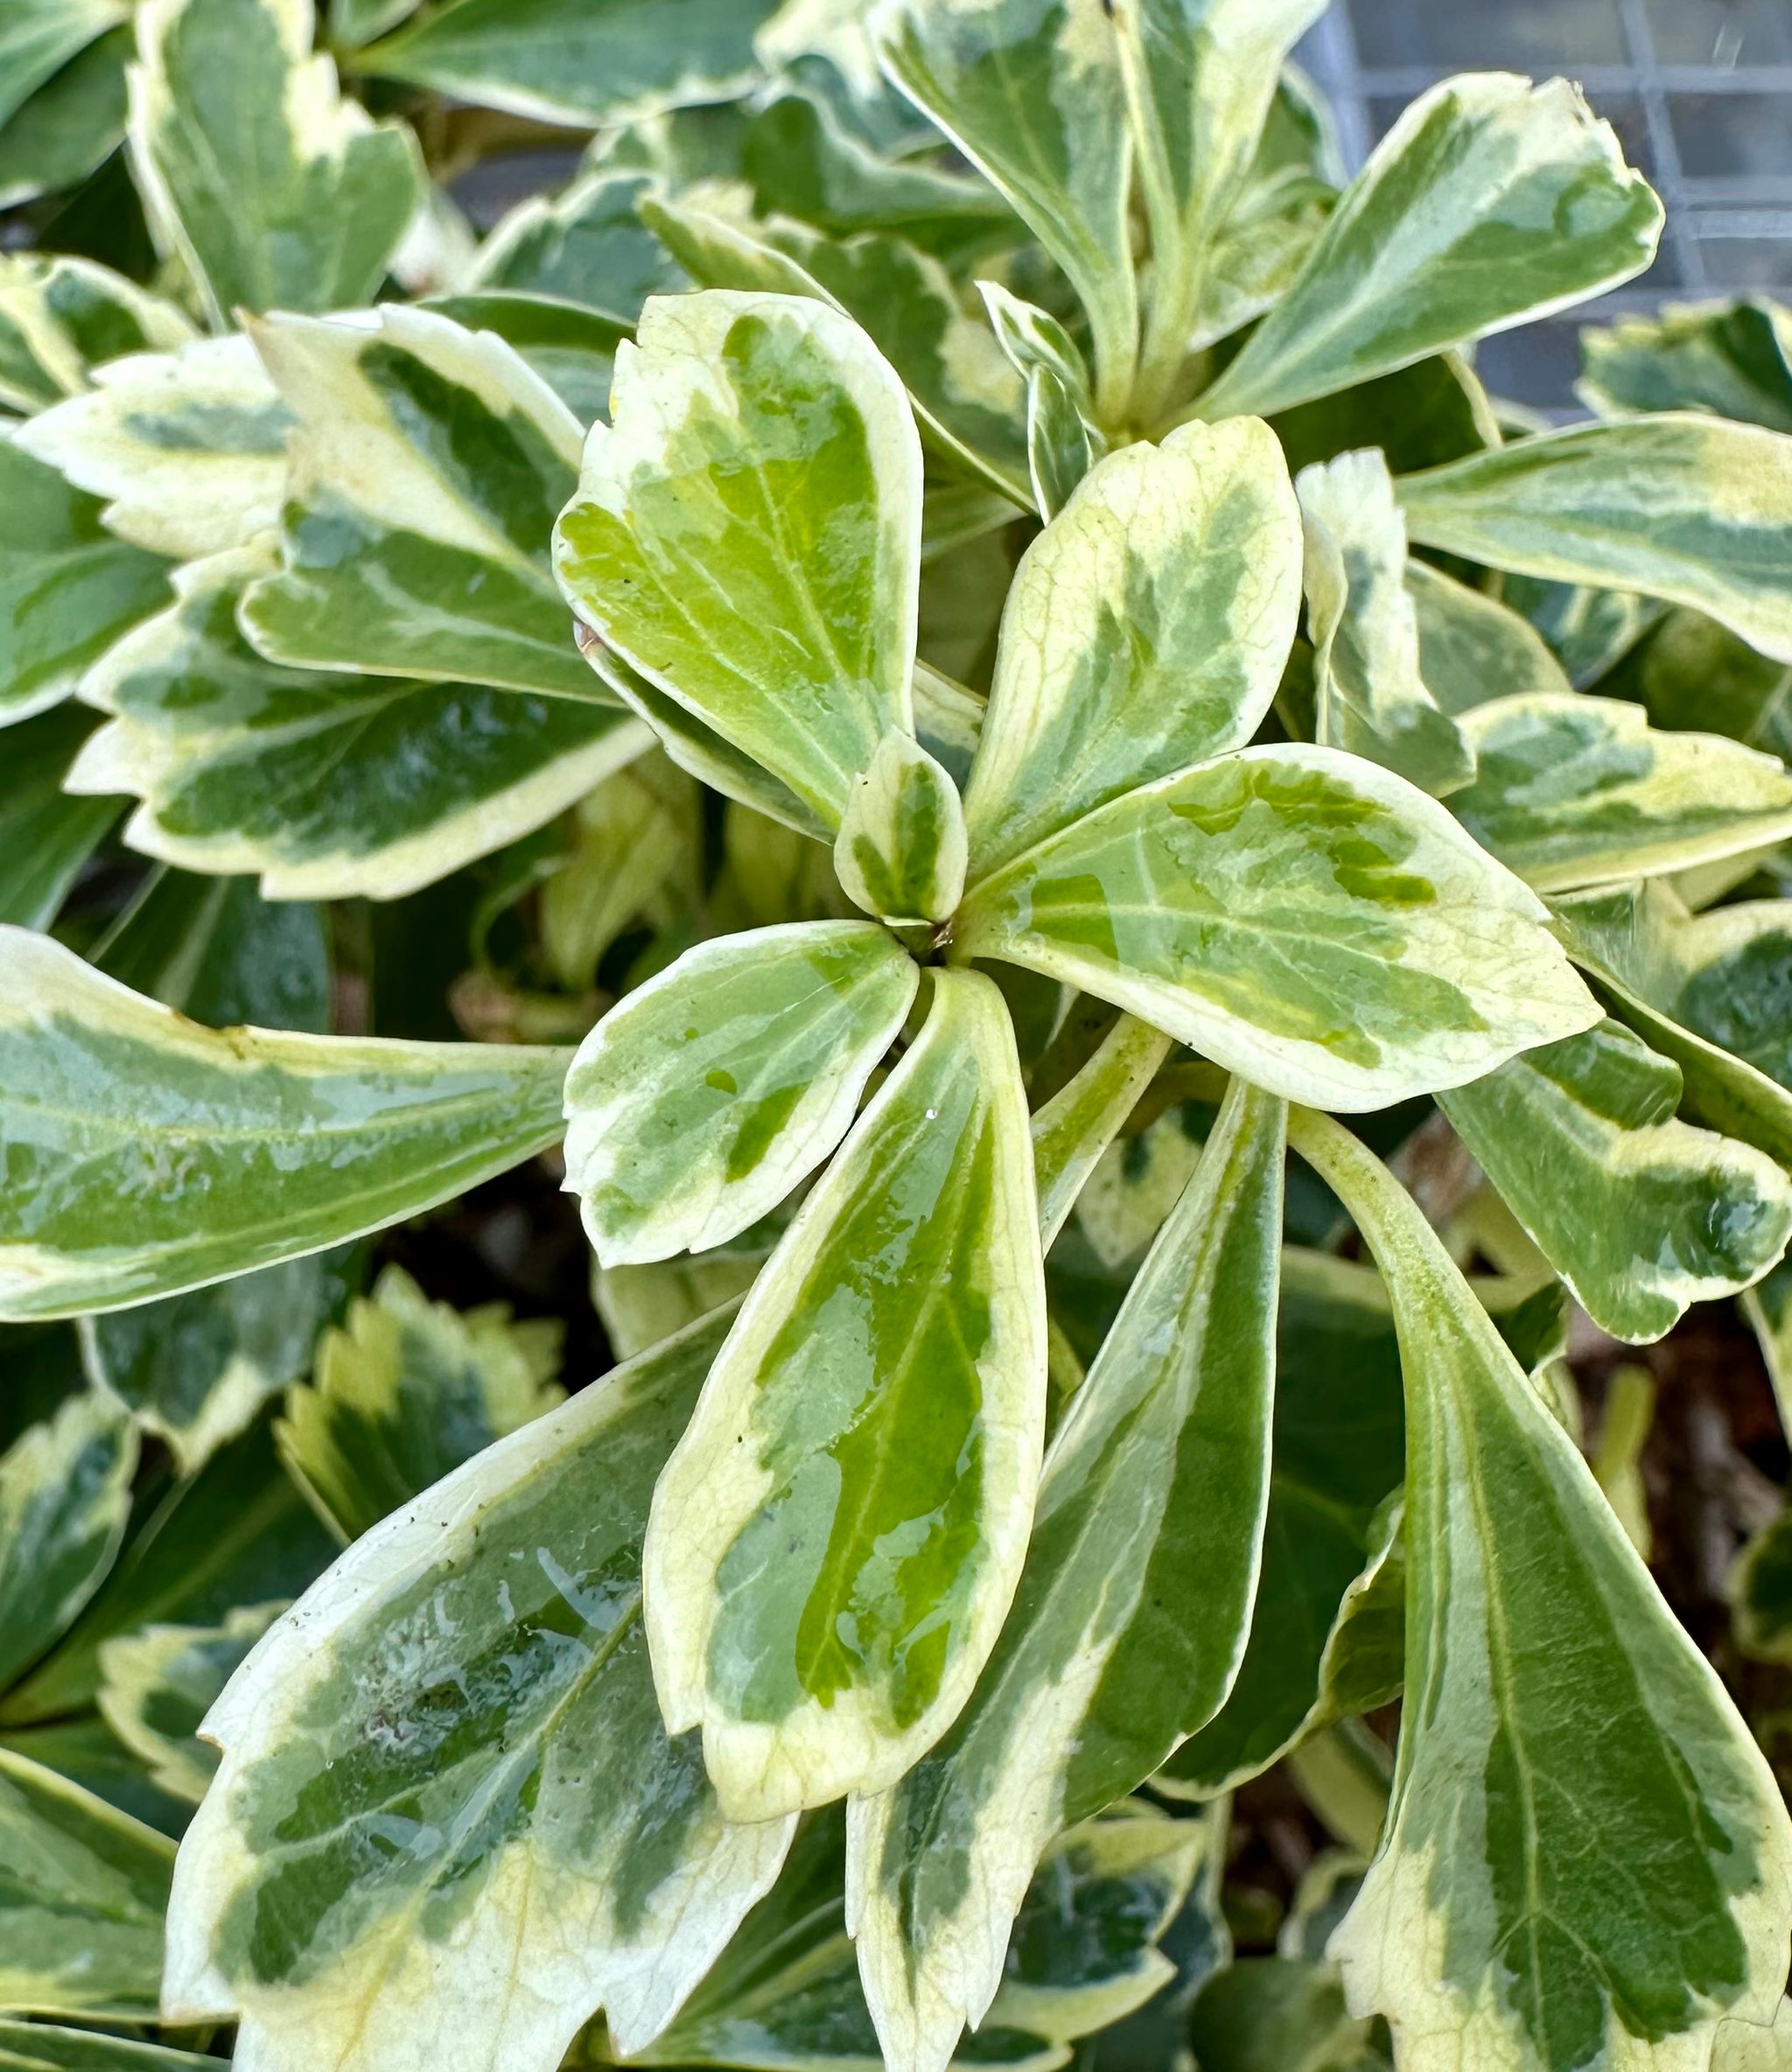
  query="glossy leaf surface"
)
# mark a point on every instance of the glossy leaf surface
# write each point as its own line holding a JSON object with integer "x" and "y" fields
{"x": 1678, "y": 506}
{"x": 121, "y": 1118}
{"x": 1641, "y": 1214}
{"x": 1368, "y": 673}
{"x": 1146, "y": 630}
{"x": 1490, "y": 202}
{"x": 473, "y": 1670}
{"x": 1570, "y": 1733}
{"x": 277, "y": 192}
{"x": 404, "y": 1392}
{"x": 1573, "y": 791}
{"x": 45, "y": 836}
{"x": 829, "y": 1563}
{"x": 187, "y": 447}
{"x": 697, "y": 1104}
{"x": 327, "y": 786}
{"x": 747, "y": 534}
{"x": 1294, "y": 914}
{"x": 1131, "y": 1615}
{"x": 67, "y": 588}
{"x": 1032, "y": 91}
{"x": 159, "y": 1684}
{"x": 82, "y": 1890}
{"x": 426, "y": 467}
{"x": 60, "y": 317}
{"x": 900, "y": 853}
{"x": 64, "y": 1494}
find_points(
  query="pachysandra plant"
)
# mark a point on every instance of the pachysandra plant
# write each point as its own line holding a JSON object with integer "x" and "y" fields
{"x": 954, "y": 639}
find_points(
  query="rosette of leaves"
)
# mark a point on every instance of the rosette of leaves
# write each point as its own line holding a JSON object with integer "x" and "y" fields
{"x": 1082, "y": 589}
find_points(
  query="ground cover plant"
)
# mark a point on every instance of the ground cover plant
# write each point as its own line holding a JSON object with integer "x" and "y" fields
{"x": 1145, "y": 931}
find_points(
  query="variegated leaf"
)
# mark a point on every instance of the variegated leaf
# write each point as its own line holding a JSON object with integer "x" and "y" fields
{"x": 45, "y": 836}
{"x": 1072, "y": 1131}
{"x": 64, "y": 1495}
{"x": 821, "y": 1616}
{"x": 1734, "y": 360}
{"x": 40, "y": 2046}
{"x": 586, "y": 245}
{"x": 161, "y": 1681}
{"x": 1472, "y": 648}
{"x": 695, "y": 1107}
{"x": 427, "y": 465}
{"x": 1201, "y": 78}
{"x": 40, "y": 37}
{"x": 1704, "y": 989}
{"x": 1031, "y": 91}
{"x": 1297, "y": 915}
{"x": 1131, "y": 1613}
{"x": 1372, "y": 695}
{"x": 328, "y": 786}
{"x": 1573, "y": 791}
{"x": 900, "y": 853}
{"x": 1483, "y": 162}
{"x": 969, "y": 401}
{"x": 748, "y": 532}
{"x": 68, "y": 589}
{"x": 1753, "y": 2046}
{"x": 1147, "y": 629}
{"x": 147, "y": 1155}
{"x": 582, "y": 62}
{"x": 82, "y": 1890}
{"x": 187, "y": 447}
{"x": 277, "y": 192}
{"x": 1679, "y": 506}
{"x": 68, "y": 128}
{"x": 474, "y": 1670}
{"x": 237, "y": 1533}
{"x": 61, "y": 317}
{"x": 1587, "y": 1856}
{"x": 404, "y": 1392}
{"x": 1640, "y": 1213}
{"x": 572, "y": 350}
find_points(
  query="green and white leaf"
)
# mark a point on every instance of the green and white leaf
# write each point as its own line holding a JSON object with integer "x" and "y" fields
{"x": 1296, "y": 915}
{"x": 38, "y": 2047}
{"x": 573, "y": 350}
{"x": 1490, "y": 203}
{"x": 828, "y": 1563}
{"x": 636, "y": 843}
{"x": 470, "y": 1681}
{"x": 1734, "y": 360}
{"x": 696, "y": 1105}
{"x": 1372, "y": 699}
{"x": 748, "y": 532}
{"x": 1336, "y": 1462}
{"x": 196, "y": 1370}
{"x": 404, "y": 1393}
{"x": 586, "y": 245}
{"x": 1702, "y": 989}
{"x": 1131, "y": 1615}
{"x": 237, "y": 1533}
{"x": 67, "y": 588}
{"x": 969, "y": 401}
{"x": 82, "y": 1891}
{"x": 426, "y": 467}
{"x": 46, "y": 836}
{"x": 1573, "y": 792}
{"x": 1073, "y": 1131}
{"x": 67, "y": 130}
{"x": 1587, "y": 1855}
{"x": 1472, "y": 648}
{"x": 187, "y": 447}
{"x": 1201, "y": 76}
{"x": 1147, "y": 629}
{"x": 1750, "y": 2046}
{"x": 61, "y": 317}
{"x": 147, "y": 1155}
{"x": 901, "y": 850}
{"x": 329, "y": 786}
{"x": 1678, "y": 506}
{"x": 273, "y": 191}
{"x": 37, "y": 38}
{"x": 1642, "y": 1215}
{"x": 1032, "y": 91}
{"x": 65, "y": 1496}
{"x": 587, "y": 63}
{"x": 159, "y": 1684}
